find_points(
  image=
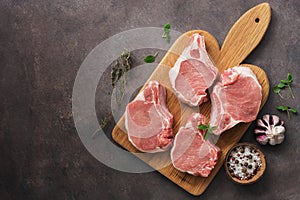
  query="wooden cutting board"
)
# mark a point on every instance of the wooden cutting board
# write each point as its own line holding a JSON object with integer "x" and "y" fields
{"x": 243, "y": 37}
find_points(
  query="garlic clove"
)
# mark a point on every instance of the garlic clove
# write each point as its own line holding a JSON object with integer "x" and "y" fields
{"x": 269, "y": 129}
{"x": 272, "y": 141}
{"x": 280, "y": 138}
{"x": 276, "y": 119}
{"x": 262, "y": 139}
{"x": 266, "y": 118}
{"x": 278, "y": 130}
{"x": 261, "y": 123}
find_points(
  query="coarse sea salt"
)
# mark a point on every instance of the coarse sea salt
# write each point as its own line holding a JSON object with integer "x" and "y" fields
{"x": 244, "y": 162}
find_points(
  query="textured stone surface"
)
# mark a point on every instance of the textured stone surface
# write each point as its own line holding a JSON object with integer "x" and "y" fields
{"x": 42, "y": 45}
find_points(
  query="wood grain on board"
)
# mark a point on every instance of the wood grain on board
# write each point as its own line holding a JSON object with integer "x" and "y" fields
{"x": 243, "y": 37}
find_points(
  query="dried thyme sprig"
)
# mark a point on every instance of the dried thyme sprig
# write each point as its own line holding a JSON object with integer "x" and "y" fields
{"x": 118, "y": 70}
{"x": 104, "y": 121}
{"x": 120, "y": 67}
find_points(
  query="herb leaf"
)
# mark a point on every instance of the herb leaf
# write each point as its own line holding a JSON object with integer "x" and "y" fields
{"x": 285, "y": 83}
{"x": 208, "y": 130}
{"x": 167, "y": 27}
{"x": 282, "y": 108}
{"x": 166, "y": 34}
{"x": 206, "y": 135}
{"x": 276, "y": 89}
{"x": 281, "y": 85}
{"x": 293, "y": 110}
{"x": 150, "y": 58}
{"x": 288, "y": 109}
{"x": 289, "y": 78}
{"x": 202, "y": 127}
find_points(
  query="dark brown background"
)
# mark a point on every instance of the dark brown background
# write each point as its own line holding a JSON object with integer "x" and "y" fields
{"x": 42, "y": 45}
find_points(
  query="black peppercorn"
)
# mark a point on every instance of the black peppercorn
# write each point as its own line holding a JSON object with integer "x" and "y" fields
{"x": 242, "y": 150}
{"x": 244, "y": 169}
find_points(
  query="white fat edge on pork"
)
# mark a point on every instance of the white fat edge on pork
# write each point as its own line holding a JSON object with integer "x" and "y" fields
{"x": 175, "y": 146}
{"x": 188, "y": 125}
{"x": 243, "y": 72}
{"x": 204, "y": 147}
{"x": 141, "y": 97}
{"x": 156, "y": 150}
{"x": 216, "y": 91}
{"x": 164, "y": 114}
{"x": 204, "y": 58}
{"x": 174, "y": 71}
{"x": 206, "y": 143}
{"x": 247, "y": 72}
{"x": 213, "y": 115}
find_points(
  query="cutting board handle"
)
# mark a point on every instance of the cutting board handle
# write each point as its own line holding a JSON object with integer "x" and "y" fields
{"x": 244, "y": 36}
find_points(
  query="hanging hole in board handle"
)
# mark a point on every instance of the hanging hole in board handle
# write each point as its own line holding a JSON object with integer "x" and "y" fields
{"x": 257, "y": 20}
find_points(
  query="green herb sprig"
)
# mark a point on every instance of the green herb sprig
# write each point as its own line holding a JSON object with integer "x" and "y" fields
{"x": 208, "y": 130}
{"x": 150, "y": 58}
{"x": 287, "y": 109}
{"x": 284, "y": 83}
{"x": 276, "y": 90}
{"x": 167, "y": 30}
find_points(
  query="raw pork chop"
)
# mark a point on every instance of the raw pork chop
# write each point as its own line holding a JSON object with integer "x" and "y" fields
{"x": 190, "y": 152}
{"x": 193, "y": 73}
{"x": 235, "y": 98}
{"x": 148, "y": 121}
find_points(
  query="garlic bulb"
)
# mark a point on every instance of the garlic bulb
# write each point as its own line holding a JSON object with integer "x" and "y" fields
{"x": 270, "y": 130}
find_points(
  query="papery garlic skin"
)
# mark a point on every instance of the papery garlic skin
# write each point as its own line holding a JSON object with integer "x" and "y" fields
{"x": 277, "y": 135}
{"x": 262, "y": 139}
{"x": 270, "y": 130}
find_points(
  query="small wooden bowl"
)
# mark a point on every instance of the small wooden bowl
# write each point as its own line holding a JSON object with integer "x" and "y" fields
{"x": 258, "y": 173}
